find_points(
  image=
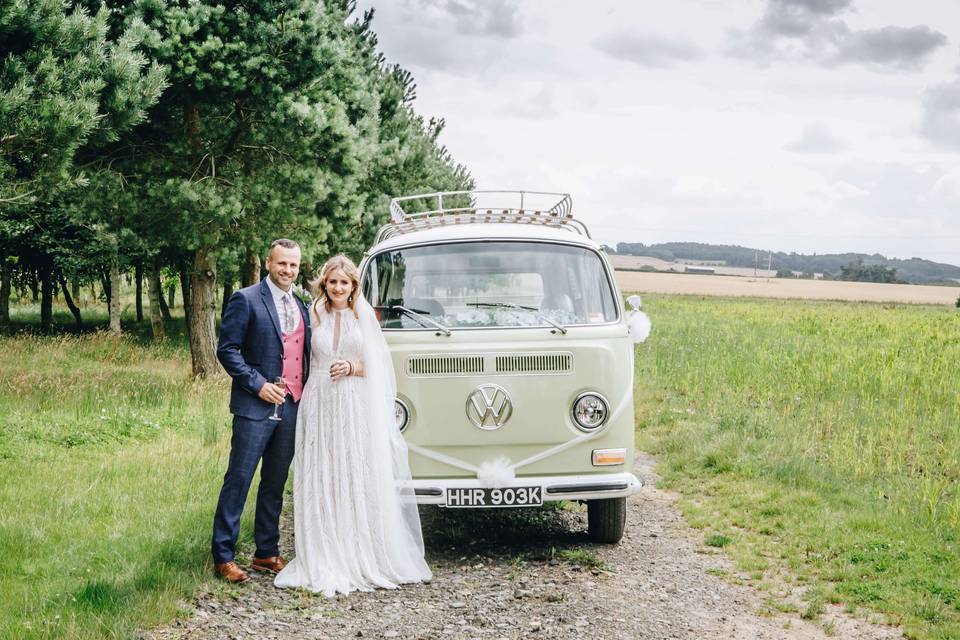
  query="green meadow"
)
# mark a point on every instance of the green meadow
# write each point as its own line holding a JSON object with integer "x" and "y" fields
{"x": 818, "y": 444}
{"x": 110, "y": 460}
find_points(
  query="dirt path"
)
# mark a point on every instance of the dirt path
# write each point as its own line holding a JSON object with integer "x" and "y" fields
{"x": 505, "y": 574}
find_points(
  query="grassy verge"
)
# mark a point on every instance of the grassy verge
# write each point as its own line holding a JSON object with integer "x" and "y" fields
{"x": 820, "y": 438}
{"x": 111, "y": 460}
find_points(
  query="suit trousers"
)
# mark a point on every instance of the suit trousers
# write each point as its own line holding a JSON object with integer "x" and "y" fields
{"x": 271, "y": 441}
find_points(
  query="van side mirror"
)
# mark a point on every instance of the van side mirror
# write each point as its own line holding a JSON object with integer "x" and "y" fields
{"x": 634, "y": 301}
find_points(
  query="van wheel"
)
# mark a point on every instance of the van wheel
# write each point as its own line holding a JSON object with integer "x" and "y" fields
{"x": 606, "y": 519}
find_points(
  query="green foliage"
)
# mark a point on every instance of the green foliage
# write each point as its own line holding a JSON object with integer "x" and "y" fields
{"x": 276, "y": 118}
{"x": 63, "y": 85}
{"x": 717, "y": 540}
{"x": 824, "y": 434}
{"x": 857, "y": 271}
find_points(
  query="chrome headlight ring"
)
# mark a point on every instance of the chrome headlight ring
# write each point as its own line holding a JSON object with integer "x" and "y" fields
{"x": 590, "y": 412}
{"x": 401, "y": 414}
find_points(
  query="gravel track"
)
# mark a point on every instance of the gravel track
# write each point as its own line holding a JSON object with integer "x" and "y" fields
{"x": 510, "y": 574}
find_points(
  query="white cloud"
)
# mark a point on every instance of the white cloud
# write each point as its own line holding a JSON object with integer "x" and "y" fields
{"x": 540, "y": 106}
{"x": 816, "y": 138}
{"x": 807, "y": 154}
{"x": 941, "y": 115}
{"x": 648, "y": 50}
{"x": 946, "y": 189}
{"x": 817, "y": 31}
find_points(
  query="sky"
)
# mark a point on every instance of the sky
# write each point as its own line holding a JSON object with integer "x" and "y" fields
{"x": 815, "y": 126}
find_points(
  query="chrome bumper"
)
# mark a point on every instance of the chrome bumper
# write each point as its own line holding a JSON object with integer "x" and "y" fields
{"x": 587, "y": 487}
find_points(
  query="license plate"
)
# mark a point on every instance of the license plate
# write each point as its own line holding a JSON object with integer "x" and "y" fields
{"x": 510, "y": 497}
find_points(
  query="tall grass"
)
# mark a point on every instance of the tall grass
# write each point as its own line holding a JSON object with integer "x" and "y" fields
{"x": 111, "y": 460}
{"x": 820, "y": 437}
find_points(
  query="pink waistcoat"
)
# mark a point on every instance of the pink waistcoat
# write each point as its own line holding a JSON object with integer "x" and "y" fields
{"x": 293, "y": 350}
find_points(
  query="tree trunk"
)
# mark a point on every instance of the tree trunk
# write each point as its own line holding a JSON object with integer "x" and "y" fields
{"x": 155, "y": 295}
{"x": 46, "y": 297}
{"x": 105, "y": 284}
{"x": 227, "y": 292}
{"x": 250, "y": 273}
{"x": 164, "y": 309}
{"x": 203, "y": 304}
{"x": 34, "y": 286}
{"x": 75, "y": 288}
{"x": 185, "y": 293}
{"x": 171, "y": 295}
{"x": 74, "y": 309}
{"x": 6, "y": 275}
{"x": 115, "y": 295}
{"x": 138, "y": 276}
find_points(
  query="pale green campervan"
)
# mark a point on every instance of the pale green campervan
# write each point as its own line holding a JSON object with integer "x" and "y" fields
{"x": 513, "y": 354}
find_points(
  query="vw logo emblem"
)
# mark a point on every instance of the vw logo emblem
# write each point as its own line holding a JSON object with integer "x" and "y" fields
{"x": 489, "y": 407}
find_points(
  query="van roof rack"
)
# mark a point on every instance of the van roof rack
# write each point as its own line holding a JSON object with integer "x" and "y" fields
{"x": 465, "y": 208}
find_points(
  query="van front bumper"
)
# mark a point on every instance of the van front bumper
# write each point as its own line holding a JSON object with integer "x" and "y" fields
{"x": 585, "y": 487}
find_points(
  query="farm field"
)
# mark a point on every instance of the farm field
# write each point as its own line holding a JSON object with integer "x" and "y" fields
{"x": 818, "y": 443}
{"x": 717, "y": 285}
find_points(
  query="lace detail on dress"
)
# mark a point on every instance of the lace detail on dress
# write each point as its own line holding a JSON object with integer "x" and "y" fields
{"x": 348, "y": 526}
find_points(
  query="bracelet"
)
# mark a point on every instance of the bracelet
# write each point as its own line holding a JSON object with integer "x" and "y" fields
{"x": 350, "y": 364}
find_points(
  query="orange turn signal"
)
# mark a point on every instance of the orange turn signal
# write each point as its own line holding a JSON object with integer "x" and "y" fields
{"x": 608, "y": 457}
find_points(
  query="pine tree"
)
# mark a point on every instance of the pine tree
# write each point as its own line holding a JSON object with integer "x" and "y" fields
{"x": 64, "y": 86}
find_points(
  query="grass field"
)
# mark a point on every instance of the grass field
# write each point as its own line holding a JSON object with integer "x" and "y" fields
{"x": 818, "y": 443}
{"x": 111, "y": 459}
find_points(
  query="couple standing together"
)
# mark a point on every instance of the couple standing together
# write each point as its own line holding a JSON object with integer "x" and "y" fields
{"x": 356, "y": 525}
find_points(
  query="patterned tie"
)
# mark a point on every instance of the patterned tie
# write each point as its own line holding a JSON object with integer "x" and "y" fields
{"x": 288, "y": 317}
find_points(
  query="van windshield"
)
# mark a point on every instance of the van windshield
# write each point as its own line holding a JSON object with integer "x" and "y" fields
{"x": 489, "y": 284}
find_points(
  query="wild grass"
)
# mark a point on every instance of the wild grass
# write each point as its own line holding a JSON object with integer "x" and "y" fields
{"x": 112, "y": 458}
{"x": 820, "y": 438}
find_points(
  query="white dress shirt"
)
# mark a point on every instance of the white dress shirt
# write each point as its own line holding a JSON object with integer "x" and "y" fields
{"x": 278, "y": 295}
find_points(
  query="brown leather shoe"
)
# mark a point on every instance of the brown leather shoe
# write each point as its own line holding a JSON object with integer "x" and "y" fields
{"x": 273, "y": 564}
{"x": 231, "y": 572}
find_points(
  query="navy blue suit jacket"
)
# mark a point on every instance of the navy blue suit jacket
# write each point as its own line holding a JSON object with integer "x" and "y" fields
{"x": 251, "y": 347}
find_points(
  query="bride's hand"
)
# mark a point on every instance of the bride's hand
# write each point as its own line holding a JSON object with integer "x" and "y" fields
{"x": 339, "y": 369}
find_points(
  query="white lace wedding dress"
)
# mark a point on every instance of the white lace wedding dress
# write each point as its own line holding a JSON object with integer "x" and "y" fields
{"x": 356, "y": 527}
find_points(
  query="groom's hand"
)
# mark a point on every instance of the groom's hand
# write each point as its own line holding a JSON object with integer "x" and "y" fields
{"x": 271, "y": 393}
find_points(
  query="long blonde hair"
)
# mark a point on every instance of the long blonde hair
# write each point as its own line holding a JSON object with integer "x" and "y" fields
{"x": 318, "y": 286}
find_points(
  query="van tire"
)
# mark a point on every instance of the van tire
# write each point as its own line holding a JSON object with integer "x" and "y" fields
{"x": 606, "y": 519}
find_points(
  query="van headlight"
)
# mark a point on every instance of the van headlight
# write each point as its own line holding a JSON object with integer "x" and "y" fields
{"x": 400, "y": 414}
{"x": 590, "y": 411}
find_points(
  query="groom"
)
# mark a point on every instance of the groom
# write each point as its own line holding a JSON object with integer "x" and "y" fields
{"x": 263, "y": 335}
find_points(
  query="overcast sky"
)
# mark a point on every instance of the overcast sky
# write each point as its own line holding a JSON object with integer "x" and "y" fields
{"x": 795, "y": 125}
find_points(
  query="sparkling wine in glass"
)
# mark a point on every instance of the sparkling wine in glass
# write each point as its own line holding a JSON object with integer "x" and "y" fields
{"x": 280, "y": 382}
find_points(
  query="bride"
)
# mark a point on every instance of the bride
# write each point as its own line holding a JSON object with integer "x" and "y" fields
{"x": 356, "y": 525}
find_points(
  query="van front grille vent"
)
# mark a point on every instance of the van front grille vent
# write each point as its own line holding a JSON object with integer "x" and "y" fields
{"x": 451, "y": 365}
{"x": 560, "y": 362}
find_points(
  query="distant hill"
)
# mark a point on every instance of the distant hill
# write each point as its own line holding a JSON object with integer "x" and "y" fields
{"x": 914, "y": 270}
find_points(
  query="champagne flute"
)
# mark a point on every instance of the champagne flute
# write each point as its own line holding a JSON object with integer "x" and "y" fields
{"x": 280, "y": 382}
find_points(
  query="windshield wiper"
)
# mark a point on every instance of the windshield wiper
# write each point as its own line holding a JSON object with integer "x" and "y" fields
{"x": 423, "y": 321}
{"x": 510, "y": 305}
